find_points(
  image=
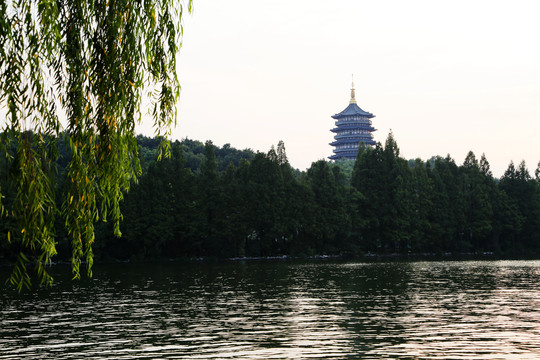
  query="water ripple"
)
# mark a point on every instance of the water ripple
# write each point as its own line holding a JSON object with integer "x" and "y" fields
{"x": 431, "y": 310}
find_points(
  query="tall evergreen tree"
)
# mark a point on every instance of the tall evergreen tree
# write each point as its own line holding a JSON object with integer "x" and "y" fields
{"x": 478, "y": 210}
{"x": 265, "y": 191}
{"x": 211, "y": 201}
{"x": 524, "y": 191}
{"x": 448, "y": 215}
{"x": 422, "y": 192}
{"x": 367, "y": 180}
{"x": 396, "y": 204}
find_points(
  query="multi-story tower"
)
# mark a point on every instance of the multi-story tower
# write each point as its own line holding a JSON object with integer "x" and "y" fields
{"x": 353, "y": 127}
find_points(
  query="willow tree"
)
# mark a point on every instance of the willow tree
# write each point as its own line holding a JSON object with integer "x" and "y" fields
{"x": 79, "y": 69}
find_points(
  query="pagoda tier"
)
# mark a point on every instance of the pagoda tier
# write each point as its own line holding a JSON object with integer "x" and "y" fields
{"x": 353, "y": 127}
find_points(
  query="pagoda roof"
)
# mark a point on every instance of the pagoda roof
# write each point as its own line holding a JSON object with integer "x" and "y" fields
{"x": 353, "y": 127}
{"x": 353, "y": 109}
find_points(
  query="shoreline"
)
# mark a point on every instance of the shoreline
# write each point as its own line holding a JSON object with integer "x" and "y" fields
{"x": 369, "y": 258}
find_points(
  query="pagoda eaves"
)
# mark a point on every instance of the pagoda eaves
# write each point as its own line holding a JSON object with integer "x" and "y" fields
{"x": 353, "y": 127}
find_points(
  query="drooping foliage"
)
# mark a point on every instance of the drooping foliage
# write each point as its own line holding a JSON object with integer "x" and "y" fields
{"x": 83, "y": 67}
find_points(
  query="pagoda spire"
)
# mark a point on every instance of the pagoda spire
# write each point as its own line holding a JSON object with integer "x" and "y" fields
{"x": 353, "y": 99}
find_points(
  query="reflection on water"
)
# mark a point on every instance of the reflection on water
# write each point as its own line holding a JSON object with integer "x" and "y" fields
{"x": 425, "y": 310}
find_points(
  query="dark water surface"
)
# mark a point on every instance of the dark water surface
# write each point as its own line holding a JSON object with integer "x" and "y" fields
{"x": 422, "y": 310}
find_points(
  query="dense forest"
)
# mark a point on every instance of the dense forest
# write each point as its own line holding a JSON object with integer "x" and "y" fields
{"x": 205, "y": 201}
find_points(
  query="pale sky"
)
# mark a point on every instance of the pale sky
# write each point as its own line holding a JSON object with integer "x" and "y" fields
{"x": 445, "y": 76}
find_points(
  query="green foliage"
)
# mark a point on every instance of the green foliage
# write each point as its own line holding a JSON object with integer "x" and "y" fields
{"x": 259, "y": 205}
{"x": 524, "y": 194}
{"x": 346, "y": 167}
{"x": 330, "y": 223}
{"x": 263, "y": 207}
{"x": 89, "y": 64}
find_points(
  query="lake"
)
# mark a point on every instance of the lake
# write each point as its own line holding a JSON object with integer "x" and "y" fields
{"x": 279, "y": 310}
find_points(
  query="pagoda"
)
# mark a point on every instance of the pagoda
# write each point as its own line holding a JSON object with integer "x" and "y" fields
{"x": 353, "y": 127}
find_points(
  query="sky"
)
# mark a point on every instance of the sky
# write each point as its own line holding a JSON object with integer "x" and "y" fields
{"x": 445, "y": 77}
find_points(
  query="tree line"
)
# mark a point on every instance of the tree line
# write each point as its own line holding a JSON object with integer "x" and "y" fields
{"x": 205, "y": 201}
